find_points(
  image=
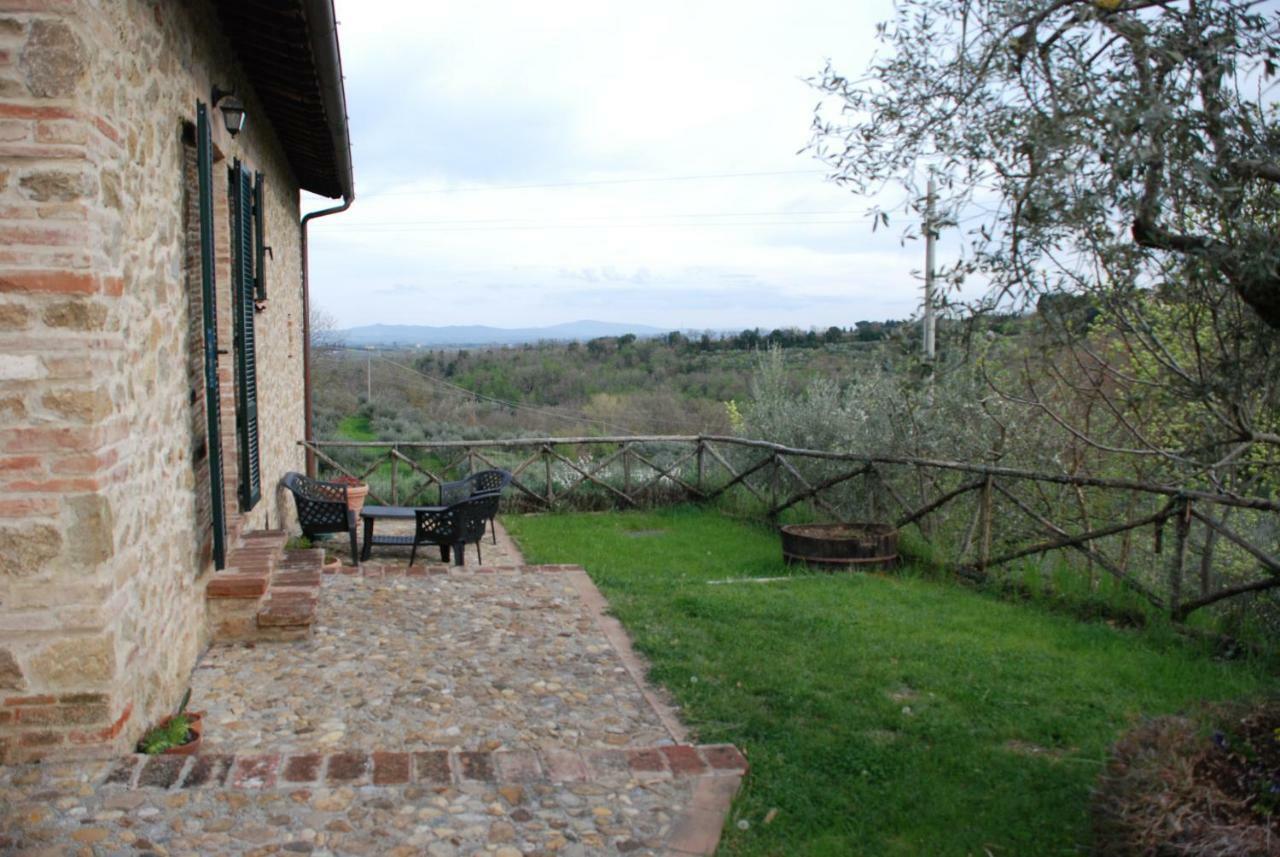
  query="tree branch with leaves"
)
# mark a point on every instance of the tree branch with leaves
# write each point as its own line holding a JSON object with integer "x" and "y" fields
{"x": 1142, "y": 130}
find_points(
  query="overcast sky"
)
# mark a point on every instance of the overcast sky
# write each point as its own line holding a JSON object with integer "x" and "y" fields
{"x": 522, "y": 164}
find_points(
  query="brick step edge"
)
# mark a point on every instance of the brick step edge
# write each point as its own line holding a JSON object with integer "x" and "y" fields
{"x": 252, "y": 565}
{"x": 235, "y": 584}
{"x": 288, "y": 609}
{"x": 425, "y": 767}
{"x": 293, "y": 597}
{"x": 278, "y": 537}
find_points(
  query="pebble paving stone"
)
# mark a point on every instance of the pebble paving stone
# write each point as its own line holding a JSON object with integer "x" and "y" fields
{"x": 466, "y": 660}
{"x": 434, "y": 712}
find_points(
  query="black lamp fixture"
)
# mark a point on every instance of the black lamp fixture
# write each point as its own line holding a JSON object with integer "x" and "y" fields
{"x": 232, "y": 109}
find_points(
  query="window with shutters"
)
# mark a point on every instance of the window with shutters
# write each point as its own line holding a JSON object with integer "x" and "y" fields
{"x": 260, "y": 248}
{"x": 244, "y": 255}
{"x": 205, "y": 395}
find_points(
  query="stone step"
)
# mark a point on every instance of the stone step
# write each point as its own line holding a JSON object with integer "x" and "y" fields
{"x": 266, "y": 593}
{"x": 249, "y": 566}
{"x": 238, "y": 584}
{"x": 277, "y": 537}
{"x": 293, "y": 597}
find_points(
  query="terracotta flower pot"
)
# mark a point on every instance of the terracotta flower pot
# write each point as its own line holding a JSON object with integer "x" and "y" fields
{"x": 356, "y": 492}
{"x": 355, "y": 496}
{"x": 195, "y": 735}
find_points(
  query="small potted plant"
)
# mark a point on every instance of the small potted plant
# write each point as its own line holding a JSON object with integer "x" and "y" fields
{"x": 356, "y": 491}
{"x": 332, "y": 562}
{"x": 179, "y": 734}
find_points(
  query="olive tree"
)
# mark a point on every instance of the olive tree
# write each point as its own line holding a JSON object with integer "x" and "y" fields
{"x": 1120, "y": 150}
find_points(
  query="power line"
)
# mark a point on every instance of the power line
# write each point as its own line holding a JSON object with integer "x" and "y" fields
{"x": 511, "y": 225}
{"x": 596, "y": 182}
{"x": 554, "y": 226}
{"x": 488, "y": 220}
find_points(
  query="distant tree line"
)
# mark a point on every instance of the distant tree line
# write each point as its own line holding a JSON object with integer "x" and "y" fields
{"x": 793, "y": 337}
{"x": 786, "y": 337}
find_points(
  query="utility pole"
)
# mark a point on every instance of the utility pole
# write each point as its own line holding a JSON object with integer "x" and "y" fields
{"x": 930, "y": 236}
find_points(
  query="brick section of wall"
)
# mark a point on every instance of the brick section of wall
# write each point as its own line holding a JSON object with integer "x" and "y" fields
{"x": 64, "y": 445}
{"x": 104, "y": 548}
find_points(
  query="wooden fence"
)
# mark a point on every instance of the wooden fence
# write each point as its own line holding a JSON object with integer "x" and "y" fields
{"x": 976, "y": 518}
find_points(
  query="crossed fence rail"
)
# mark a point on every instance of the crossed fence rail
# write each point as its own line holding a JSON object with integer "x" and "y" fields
{"x": 977, "y": 518}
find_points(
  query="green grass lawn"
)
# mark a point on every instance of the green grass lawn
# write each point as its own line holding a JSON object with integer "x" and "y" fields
{"x": 882, "y": 714}
{"x": 356, "y": 428}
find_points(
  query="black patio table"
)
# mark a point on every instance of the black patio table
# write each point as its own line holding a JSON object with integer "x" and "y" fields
{"x": 392, "y": 513}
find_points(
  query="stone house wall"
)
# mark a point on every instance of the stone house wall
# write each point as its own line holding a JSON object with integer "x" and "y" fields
{"x": 104, "y": 541}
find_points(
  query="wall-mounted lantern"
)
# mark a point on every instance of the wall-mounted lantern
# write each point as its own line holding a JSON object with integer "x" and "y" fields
{"x": 232, "y": 109}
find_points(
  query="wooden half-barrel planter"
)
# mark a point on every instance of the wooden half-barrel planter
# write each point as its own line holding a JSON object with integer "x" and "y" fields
{"x": 841, "y": 547}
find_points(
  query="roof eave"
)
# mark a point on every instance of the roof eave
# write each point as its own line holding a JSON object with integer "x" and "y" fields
{"x": 323, "y": 29}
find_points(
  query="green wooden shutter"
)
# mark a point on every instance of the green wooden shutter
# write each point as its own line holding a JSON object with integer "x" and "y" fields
{"x": 212, "y": 395}
{"x": 242, "y": 256}
{"x": 259, "y": 238}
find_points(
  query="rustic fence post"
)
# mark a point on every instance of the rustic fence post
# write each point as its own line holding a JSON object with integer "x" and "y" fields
{"x": 702, "y": 450}
{"x": 874, "y": 489}
{"x": 984, "y": 543}
{"x": 773, "y": 487}
{"x": 395, "y": 460}
{"x": 1126, "y": 539}
{"x": 626, "y": 469}
{"x": 546, "y": 464}
{"x": 1206, "y": 559}
{"x": 924, "y": 524}
{"x": 1177, "y": 562}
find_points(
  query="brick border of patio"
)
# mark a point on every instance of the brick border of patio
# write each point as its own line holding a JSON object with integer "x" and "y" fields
{"x": 617, "y": 636}
{"x": 424, "y": 767}
{"x": 716, "y": 769}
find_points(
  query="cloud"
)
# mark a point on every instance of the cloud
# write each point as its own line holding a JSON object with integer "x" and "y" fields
{"x": 398, "y": 289}
{"x": 526, "y": 163}
{"x": 458, "y": 138}
{"x": 609, "y": 274}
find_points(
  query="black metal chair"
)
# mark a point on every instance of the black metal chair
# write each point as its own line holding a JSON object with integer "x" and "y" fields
{"x": 488, "y": 505}
{"x": 450, "y": 527}
{"x": 454, "y": 492}
{"x": 482, "y": 484}
{"x": 322, "y": 508}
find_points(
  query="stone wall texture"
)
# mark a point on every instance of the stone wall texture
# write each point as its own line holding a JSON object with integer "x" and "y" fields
{"x": 104, "y": 534}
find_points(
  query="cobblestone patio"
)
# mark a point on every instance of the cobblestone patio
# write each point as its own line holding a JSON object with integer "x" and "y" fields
{"x": 478, "y": 661}
{"x": 444, "y": 711}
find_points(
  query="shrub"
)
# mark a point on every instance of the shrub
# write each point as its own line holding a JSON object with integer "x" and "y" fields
{"x": 1204, "y": 785}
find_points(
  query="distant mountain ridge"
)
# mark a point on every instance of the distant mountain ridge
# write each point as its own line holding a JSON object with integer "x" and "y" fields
{"x": 479, "y": 334}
